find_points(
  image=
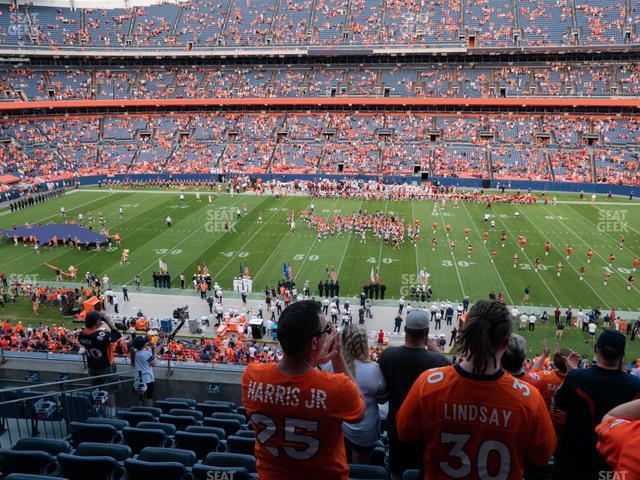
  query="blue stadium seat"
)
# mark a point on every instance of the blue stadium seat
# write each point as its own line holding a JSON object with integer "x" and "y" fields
{"x": 242, "y": 411}
{"x": 93, "y": 432}
{"x": 231, "y": 460}
{"x": 134, "y": 418}
{"x": 75, "y": 467}
{"x": 231, "y": 405}
{"x": 230, "y": 426}
{"x": 117, "y": 451}
{"x": 27, "y": 461}
{"x": 181, "y": 412}
{"x": 241, "y": 445}
{"x": 378, "y": 456}
{"x": 411, "y": 474}
{"x": 241, "y": 418}
{"x": 27, "y": 476}
{"x": 367, "y": 472}
{"x": 181, "y": 423}
{"x": 189, "y": 401}
{"x": 156, "y": 412}
{"x": 158, "y": 455}
{"x": 168, "y": 428}
{"x": 49, "y": 445}
{"x": 139, "y": 438}
{"x": 167, "y": 406}
{"x": 207, "y": 472}
{"x": 204, "y": 429}
{"x": 246, "y": 434}
{"x": 208, "y": 410}
{"x": 139, "y": 470}
{"x": 200, "y": 443}
{"x": 119, "y": 424}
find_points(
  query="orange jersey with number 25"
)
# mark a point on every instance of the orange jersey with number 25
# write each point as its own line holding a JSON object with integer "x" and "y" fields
{"x": 298, "y": 421}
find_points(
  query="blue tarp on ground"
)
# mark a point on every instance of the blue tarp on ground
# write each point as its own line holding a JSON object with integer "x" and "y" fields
{"x": 64, "y": 231}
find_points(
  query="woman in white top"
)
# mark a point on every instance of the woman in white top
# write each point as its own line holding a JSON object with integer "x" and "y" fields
{"x": 143, "y": 361}
{"x": 362, "y": 437}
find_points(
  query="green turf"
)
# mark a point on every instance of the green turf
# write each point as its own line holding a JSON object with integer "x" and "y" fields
{"x": 197, "y": 233}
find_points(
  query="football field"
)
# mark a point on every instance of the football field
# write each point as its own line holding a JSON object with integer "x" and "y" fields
{"x": 199, "y": 232}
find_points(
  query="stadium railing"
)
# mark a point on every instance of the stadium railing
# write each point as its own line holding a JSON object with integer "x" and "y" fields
{"x": 47, "y": 409}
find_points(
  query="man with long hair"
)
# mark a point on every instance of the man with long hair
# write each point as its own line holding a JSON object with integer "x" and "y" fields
{"x": 474, "y": 419}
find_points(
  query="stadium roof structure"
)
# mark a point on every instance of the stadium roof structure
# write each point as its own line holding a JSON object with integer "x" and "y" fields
{"x": 62, "y": 231}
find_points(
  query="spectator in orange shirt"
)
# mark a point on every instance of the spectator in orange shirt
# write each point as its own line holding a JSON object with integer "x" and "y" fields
{"x": 617, "y": 437}
{"x": 293, "y": 403}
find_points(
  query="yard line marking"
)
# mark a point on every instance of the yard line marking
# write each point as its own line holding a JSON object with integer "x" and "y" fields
{"x": 275, "y": 249}
{"x": 386, "y": 207}
{"x": 181, "y": 269}
{"x": 488, "y": 254}
{"x": 596, "y": 252}
{"x": 562, "y": 256}
{"x": 264, "y": 224}
{"x": 529, "y": 260}
{"x": 455, "y": 262}
{"x": 344, "y": 253}
{"x": 627, "y": 224}
{"x": 197, "y": 230}
{"x": 608, "y": 233}
{"x": 415, "y": 248}
{"x": 314, "y": 242}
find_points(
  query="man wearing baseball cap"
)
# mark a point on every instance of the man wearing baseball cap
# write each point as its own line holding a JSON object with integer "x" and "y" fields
{"x": 401, "y": 366}
{"x": 586, "y": 395}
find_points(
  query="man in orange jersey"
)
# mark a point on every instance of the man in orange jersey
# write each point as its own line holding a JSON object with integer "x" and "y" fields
{"x": 474, "y": 419}
{"x": 297, "y": 410}
{"x": 616, "y": 435}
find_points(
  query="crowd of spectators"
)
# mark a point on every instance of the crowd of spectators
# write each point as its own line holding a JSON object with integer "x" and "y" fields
{"x": 508, "y": 146}
{"x": 190, "y": 24}
{"x": 114, "y": 83}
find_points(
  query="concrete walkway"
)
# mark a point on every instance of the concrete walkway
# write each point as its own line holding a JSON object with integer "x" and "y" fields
{"x": 161, "y": 305}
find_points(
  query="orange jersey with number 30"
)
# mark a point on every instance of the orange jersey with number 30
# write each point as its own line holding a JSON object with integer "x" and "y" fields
{"x": 476, "y": 428}
{"x": 616, "y": 445}
{"x": 298, "y": 421}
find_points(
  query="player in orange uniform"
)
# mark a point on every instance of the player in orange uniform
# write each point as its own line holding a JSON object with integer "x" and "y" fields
{"x": 569, "y": 251}
{"x": 485, "y": 236}
{"x": 466, "y": 233}
{"x": 615, "y": 437}
{"x": 474, "y": 419}
{"x": 435, "y": 227}
{"x": 297, "y": 410}
{"x": 447, "y": 227}
{"x": 589, "y": 255}
{"x": 494, "y": 254}
{"x": 612, "y": 259}
{"x": 547, "y": 249}
{"x": 635, "y": 263}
